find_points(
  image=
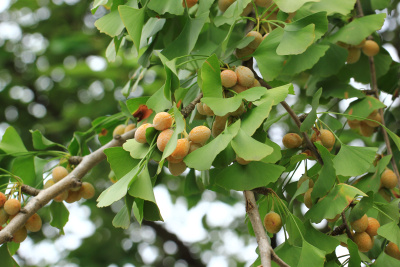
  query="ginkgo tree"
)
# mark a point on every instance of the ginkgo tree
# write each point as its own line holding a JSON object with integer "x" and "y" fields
{"x": 229, "y": 67}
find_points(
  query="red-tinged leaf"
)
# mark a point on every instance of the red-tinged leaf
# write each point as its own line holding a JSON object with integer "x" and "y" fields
{"x": 143, "y": 112}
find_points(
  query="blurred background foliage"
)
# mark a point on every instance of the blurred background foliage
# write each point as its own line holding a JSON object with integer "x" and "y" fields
{"x": 54, "y": 77}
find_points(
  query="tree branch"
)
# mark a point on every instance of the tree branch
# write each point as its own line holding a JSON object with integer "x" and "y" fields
{"x": 189, "y": 108}
{"x": 375, "y": 90}
{"x": 46, "y": 195}
{"x": 348, "y": 232}
{"x": 266, "y": 252}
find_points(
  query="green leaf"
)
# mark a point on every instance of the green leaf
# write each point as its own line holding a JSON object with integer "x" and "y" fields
{"x": 312, "y": 115}
{"x": 232, "y": 14}
{"x": 59, "y": 215}
{"x": 288, "y": 253}
{"x": 40, "y": 142}
{"x": 362, "y": 207}
{"x": 134, "y": 103}
{"x": 289, "y": 6}
{"x": 133, "y": 20}
{"x": 6, "y": 259}
{"x": 201, "y": 159}
{"x": 331, "y": 63}
{"x": 364, "y": 107}
{"x": 391, "y": 232}
{"x": 255, "y": 174}
{"x": 359, "y": 29}
{"x": 380, "y": 4}
{"x": 319, "y": 239}
{"x": 269, "y": 62}
{"x": 117, "y": 190}
{"x": 158, "y": 102}
{"x": 29, "y": 169}
{"x": 296, "y": 40}
{"x": 277, "y": 94}
{"x": 161, "y": 7}
{"x": 12, "y": 247}
{"x": 311, "y": 256}
{"x": 355, "y": 259}
{"x": 333, "y": 123}
{"x": 137, "y": 150}
{"x": 295, "y": 229}
{"x": 342, "y": 7}
{"x": 385, "y": 260}
{"x": 334, "y": 203}
{"x": 111, "y": 24}
{"x": 187, "y": 39}
{"x": 11, "y": 143}
{"x": 319, "y": 19}
{"x": 275, "y": 155}
{"x": 173, "y": 141}
{"x": 222, "y": 106}
{"x": 353, "y": 161}
{"x": 388, "y": 212}
{"x": 172, "y": 80}
{"x": 211, "y": 77}
{"x": 122, "y": 219}
{"x": 120, "y": 161}
{"x": 372, "y": 182}
{"x": 304, "y": 61}
{"x": 142, "y": 188}
{"x": 327, "y": 174}
{"x": 137, "y": 210}
{"x": 248, "y": 148}
{"x": 191, "y": 186}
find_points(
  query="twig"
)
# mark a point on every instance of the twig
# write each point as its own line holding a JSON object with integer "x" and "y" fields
{"x": 375, "y": 90}
{"x": 26, "y": 189}
{"x": 189, "y": 108}
{"x": 46, "y": 195}
{"x": 263, "y": 191}
{"x": 338, "y": 230}
{"x": 348, "y": 232}
{"x": 266, "y": 252}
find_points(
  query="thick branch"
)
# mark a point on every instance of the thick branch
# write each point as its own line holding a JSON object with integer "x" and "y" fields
{"x": 26, "y": 189}
{"x": 374, "y": 86}
{"x": 189, "y": 108}
{"x": 46, "y": 195}
{"x": 266, "y": 252}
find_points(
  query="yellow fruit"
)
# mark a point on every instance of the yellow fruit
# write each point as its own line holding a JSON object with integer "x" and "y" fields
{"x": 200, "y": 109}
{"x": 392, "y": 250}
{"x": 354, "y": 55}
{"x": 370, "y": 48}
{"x": 59, "y": 173}
{"x": 163, "y": 139}
{"x": 61, "y": 197}
{"x": 264, "y": 3}
{"x": 327, "y": 138}
{"x": 189, "y": 3}
{"x": 292, "y": 140}
{"x": 245, "y": 76}
{"x": 200, "y": 134}
{"x": 140, "y": 134}
{"x": 129, "y": 127}
{"x": 228, "y": 78}
{"x": 34, "y": 223}
{"x": 373, "y": 226}
{"x": 162, "y": 121}
{"x": 363, "y": 241}
{"x": 193, "y": 147}
{"x": 247, "y": 10}
{"x": 360, "y": 45}
{"x": 87, "y": 190}
{"x": 176, "y": 168}
{"x": 304, "y": 178}
{"x": 224, "y": 4}
{"x": 12, "y": 206}
{"x": 366, "y": 130}
{"x": 119, "y": 130}
{"x": 272, "y": 222}
{"x": 20, "y": 235}
{"x": 388, "y": 179}
{"x": 361, "y": 224}
{"x": 182, "y": 149}
{"x": 376, "y": 117}
{"x": 3, "y": 199}
{"x": 353, "y": 124}
{"x": 257, "y": 39}
{"x": 73, "y": 196}
{"x": 207, "y": 110}
{"x": 244, "y": 53}
{"x": 307, "y": 198}
{"x": 238, "y": 88}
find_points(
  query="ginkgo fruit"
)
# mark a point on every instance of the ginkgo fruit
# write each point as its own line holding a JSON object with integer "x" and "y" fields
{"x": 207, "y": 110}
{"x": 388, "y": 179}
{"x": 373, "y": 225}
{"x": 61, "y": 197}
{"x": 20, "y": 235}
{"x": 360, "y": 225}
{"x": 163, "y": 139}
{"x": 189, "y": 3}
{"x": 363, "y": 241}
{"x": 353, "y": 55}
{"x": 370, "y": 48}
{"x": 3, "y": 216}
{"x": 59, "y": 173}
{"x": 239, "y": 111}
{"x": 239, "y": 88}
{"x": 257, "y": 39}
{"x": 129, "y": 127}
{"x": 162, "y": 121}
{"x": 365, "y": 129}
{"x": 12, "y": 206}
{"x": 264, "y": 3}
{"x": 182, "y": 148}
{"x": 376, "y": 116}
{"x": 307, "y": 198}
{"x": 218, "y": 125}
{"x": 245, "y": 76}
{"x": 140, "y": 134}
{"x": 3, "y": 199}
{"x": 73, "y": 196}
{"x": 272, "y": 222}
{"x": 49, "y": 183}
{"x": 34, "y": 223}
{"x": 247, "y": 10}
{"x": 200, "y": 109}
{"x": 193, "y": 147}
{"x": 228, "y": 78}
{"x": 244, "y": 53}
{"x": 392, "y": 250}
{"x": 200, "y": 134}
{"x": 176, "y": 168}
{"x": 303, "y": 179}
{"x": 119, "y": 130}
{"x": 327, "y": 138}
{"x": 292, "y": 140}
{"x": 87, "y": 190}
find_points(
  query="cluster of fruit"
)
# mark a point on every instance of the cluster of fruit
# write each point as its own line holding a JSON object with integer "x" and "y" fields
{"x": 86, "y": 190}
{"x": 272, "y": 222}
{"x": 9, "y": 208}
{"x": 122, "y": 128}
{"x": 163, "y": 122}
{"x": 366, "y": 127}
{"x": 326, "y": 137}
{"x": 369, "y": 47}
{"x": 365, "y": 229}
{"x": 245, "y": 52}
